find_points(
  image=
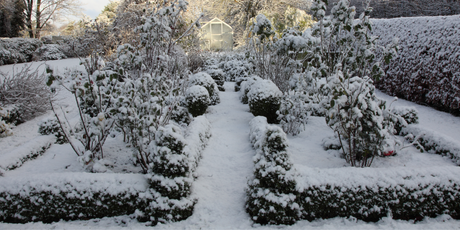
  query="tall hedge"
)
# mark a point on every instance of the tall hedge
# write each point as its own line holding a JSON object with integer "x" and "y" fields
{"x": 427, "y": 69}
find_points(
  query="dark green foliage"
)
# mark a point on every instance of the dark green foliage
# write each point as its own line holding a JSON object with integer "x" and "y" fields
{"x": 409, "y": 114}
{"x": 197, "y": 104}
{"x": 47, "y": 206}
{"x": 12, "y": 19}
{"x": 266, "y": 107}
{"x": 13, "y": 116}
{"x": 51, "y": 126}
{"x": 373, "y": 203}
{"x": 181, "y": 115}
{"x": 271, "y": 195}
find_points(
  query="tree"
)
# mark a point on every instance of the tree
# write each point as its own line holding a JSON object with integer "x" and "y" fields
{"x": 39, "y": 13}
{"x": 11, "y": 18}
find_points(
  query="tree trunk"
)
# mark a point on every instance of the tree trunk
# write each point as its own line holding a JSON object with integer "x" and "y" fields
{"x": 29, "y": 11}
{"x": 38, "y": 15}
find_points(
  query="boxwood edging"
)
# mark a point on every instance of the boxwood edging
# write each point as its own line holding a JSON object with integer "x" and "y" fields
{"x": 271, "y": 193}
{"x": 16, "y": 158}
{"x": 69, "y": 196}
{"x": 370, "y": 194}
{"x": 77, "y": 196}
{"x": 434, "y": 143}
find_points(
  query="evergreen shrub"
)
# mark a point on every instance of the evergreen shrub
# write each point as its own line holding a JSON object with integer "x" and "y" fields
{"x": 205, "y": 80}
{"x": 51, "y": 126}
{"x": 264, "y": 99}
{"x": 271, "y": 194}
{"x": 197, "y": 98}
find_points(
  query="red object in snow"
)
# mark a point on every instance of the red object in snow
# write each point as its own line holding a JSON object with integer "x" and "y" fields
{"x": 389, "y": 153}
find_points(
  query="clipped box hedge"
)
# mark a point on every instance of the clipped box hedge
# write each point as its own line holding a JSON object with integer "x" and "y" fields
{"x": 70, "y": 196}
{"x": 370, "y": 194}
{"x": 427, "y": 69}
{"x": 76, "y": 196}
{"x": 433, "y": 143}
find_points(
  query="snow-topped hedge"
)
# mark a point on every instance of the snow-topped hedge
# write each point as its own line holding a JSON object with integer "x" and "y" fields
{"x": 162, "y": 195}
{"x": 271, "y": 193}
{"x": 17, "y": 50}
{"x": 370, "y": 194}
{"x": 427, "y": 69}
{"x": 12, "y": 159}
{"x": 264, "y": 99}
{"x": 433, "y": 143}
{"x": 70, "y": 196}
{"x": 205, "y": 80}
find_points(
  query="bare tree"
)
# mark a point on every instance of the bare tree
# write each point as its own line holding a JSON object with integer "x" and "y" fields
{"x": 41, "y": 12}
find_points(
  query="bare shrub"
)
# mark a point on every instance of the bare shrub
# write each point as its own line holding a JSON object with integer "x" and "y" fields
{"x": 26, "y": 91}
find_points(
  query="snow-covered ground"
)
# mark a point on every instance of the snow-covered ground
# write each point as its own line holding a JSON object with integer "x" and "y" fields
{"x": 226, "y": 166}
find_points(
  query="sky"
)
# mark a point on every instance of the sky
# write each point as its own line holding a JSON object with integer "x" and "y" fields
{"x": 93, "y": 8}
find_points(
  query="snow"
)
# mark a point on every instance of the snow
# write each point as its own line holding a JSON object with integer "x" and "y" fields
{"x": 226, "y": 166}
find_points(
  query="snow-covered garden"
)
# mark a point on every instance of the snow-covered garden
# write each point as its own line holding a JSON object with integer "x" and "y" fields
{"x": 288, "y": 131}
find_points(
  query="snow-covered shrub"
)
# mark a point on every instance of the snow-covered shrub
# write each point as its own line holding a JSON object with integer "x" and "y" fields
{"x": 426, "y": 70}
{"x": 154, "y": 71}
{"x": 181, "y": 116}
{"x": 5, "y": 129}
{"x": 293, "y": 112}
{"x": 236, "y": 70}
{"x": 409, "y": 114}
{"x": 271, "y": 195}
{"x": 49, "y": 52}
{"x": 169, "y": 178}
{"x": 356, "y": 115}
{"x": 30, "y": 150}
{"x": 94, "y": 96}
{"x": 371, "y": 193}
{"x": 218, "y": 76}
{"x": 432, "y": 143}
{"x": 275, "y": 58}
{"x": 342, "y": 52}
{"x": 246, "y": 87}
{"x": 205, "y": 80}
{"x": 264, "y": 99}
{"x": 18, "y": 50}
{"x": 197, "y": 98}
{"x": 70, "y": 196}
{"x": 25, "y": 92}
{"x": 52, "y": 126}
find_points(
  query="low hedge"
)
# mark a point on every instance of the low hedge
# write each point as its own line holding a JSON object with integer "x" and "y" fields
{"x": 264, "y": 99}
{"x": 433, "y": 143}
{"x": 76, "y": 196}
{"x": 15, "y": 158}
{"x": 370, "y": 194}
{"x": 70, "y": 196}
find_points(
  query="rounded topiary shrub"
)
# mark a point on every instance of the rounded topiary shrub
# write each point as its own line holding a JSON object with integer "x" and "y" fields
{"x": 205, "y": 80}
{"x": 246, "y": 86}
{"x": 197, "y": 98}
{"x": 264, "y": 99}
{"x": 219, "y": 77}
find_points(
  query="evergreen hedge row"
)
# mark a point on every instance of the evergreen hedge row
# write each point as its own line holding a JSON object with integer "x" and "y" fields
{"x": 434, "y": 143}
{"x": 370, "y": 194}
{"x": 160, "y": 196}
{"x": 427, "y": 69}
{"x": 70, "y": 196}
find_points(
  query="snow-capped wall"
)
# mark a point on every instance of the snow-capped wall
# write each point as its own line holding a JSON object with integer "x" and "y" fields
{"x": 427, "y": 69}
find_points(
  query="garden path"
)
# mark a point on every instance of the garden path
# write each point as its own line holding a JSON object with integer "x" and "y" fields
{"x": 225, "y": 167}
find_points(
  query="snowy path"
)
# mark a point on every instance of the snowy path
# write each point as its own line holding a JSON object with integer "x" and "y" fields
{"x": 225, "y": 167}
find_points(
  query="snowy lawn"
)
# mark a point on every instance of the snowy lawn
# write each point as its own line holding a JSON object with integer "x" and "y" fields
{"x": 226, "y": 166}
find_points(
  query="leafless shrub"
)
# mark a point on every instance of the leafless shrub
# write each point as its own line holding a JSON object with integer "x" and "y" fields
{"x": 26, "y": 91}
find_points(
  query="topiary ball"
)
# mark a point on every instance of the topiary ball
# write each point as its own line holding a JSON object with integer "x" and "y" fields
{"x": 197, "y": 98}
